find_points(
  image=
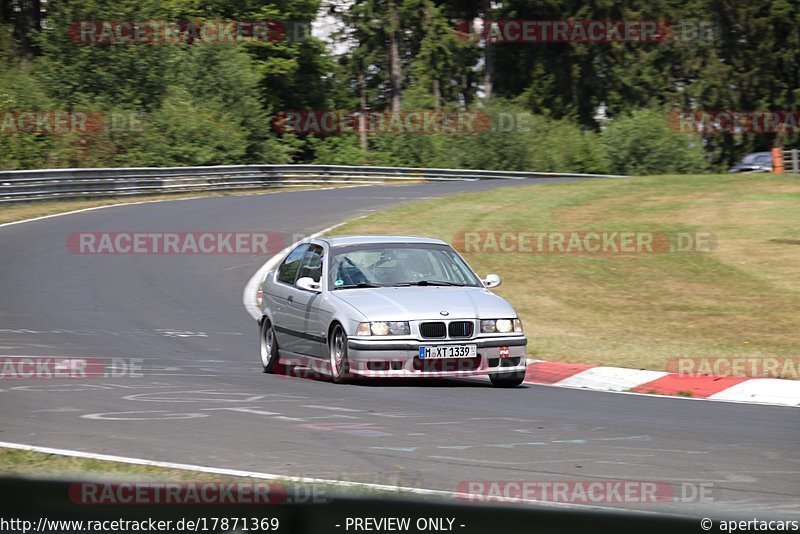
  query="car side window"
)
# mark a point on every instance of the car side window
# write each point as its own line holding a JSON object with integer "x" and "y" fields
{"x": 311, "y": 265}
{"x": 288, "y": 269}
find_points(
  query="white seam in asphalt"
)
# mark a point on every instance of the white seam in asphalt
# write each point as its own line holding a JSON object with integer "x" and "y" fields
{"x": 296, "y": 479}
{"x": 250, "y": 294}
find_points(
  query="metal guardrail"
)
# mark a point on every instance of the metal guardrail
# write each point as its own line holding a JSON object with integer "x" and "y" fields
{"x": 791, "y": 161}
{"x": 25, "y": 186}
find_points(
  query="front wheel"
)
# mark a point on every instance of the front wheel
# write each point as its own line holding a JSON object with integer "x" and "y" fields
{"x": 269, "y": 346}
{"x": 507, "y": 380}
{"x": 340, "y": 367}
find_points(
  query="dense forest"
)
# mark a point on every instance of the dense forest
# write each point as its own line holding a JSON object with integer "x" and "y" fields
{"x": 191, "y": 82}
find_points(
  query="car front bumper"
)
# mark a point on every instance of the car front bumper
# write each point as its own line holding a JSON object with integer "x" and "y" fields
{"x": 400, "y": 358}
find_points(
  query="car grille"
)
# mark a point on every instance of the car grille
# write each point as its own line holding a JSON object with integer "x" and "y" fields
{"x": 442, "y": 330}
{"x": 433, "y": 330}
{"x": 460, "y": 329}
{"x": 447, "y": 364}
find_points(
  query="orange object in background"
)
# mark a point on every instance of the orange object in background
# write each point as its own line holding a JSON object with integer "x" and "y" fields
{"x": 777, "y": 160}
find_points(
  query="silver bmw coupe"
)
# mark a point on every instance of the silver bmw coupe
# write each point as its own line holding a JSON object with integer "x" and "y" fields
{"x": 388, "y": 306}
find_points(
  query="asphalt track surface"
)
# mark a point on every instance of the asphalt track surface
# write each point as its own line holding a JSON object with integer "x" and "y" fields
{"x": 202, "y": 398}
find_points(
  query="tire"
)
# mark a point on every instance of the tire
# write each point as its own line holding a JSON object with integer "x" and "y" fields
{"x": 337, "y": 349}
{"x": 269, "y": 346}
{"x": 507, "y": 380}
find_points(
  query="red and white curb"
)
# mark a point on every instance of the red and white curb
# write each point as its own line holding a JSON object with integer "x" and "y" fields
{"x": 709, "y": 387}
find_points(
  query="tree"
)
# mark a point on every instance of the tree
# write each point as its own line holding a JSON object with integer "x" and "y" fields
{"x": 27, "y": 19}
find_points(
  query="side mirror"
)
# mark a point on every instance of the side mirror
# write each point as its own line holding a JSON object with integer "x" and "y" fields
{"x": 308, "y": 284}
{"x": 491, "y": 280}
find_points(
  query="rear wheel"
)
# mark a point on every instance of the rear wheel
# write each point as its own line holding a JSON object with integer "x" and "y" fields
{"x": 340, "y": 367}
{"x": 507, "y": 380}
{"x": 269, "y": 346}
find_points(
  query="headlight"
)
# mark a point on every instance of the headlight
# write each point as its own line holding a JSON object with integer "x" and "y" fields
{"x": 501, "y": 326}
{"x": 504, "y": 326}
{"x": 379, "y": 329}
{"x": 384, "y": 328}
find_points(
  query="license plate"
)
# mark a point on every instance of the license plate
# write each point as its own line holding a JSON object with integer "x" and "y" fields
{"x": 447, "y": 351}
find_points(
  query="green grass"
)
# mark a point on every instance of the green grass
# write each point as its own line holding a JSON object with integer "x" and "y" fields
{"x": 640, "y": 310}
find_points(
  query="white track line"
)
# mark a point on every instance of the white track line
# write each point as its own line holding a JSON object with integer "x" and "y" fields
{"x": 299, "y": 480}
{"x": 96, "y": 208}
{"x": 175, "y": 200}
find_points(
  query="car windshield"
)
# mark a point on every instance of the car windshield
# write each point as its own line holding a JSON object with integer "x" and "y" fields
{"x": 756, "y": 158}
{"x": 399, "y": 265}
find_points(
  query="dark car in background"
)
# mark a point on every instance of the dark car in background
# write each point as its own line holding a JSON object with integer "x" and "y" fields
{"x": 754, "y": 162}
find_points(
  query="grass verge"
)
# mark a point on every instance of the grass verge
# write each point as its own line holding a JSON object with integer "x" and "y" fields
{"x": 636, "y": 310}
{"x": 29, "y": 463}
{"x": 15, "y": 462}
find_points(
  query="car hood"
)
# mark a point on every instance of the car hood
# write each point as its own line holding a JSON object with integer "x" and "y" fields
{"x": 417, "y": 303}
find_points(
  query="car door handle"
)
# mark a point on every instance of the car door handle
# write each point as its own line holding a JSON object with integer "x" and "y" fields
{"x": 290, "y": 298}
